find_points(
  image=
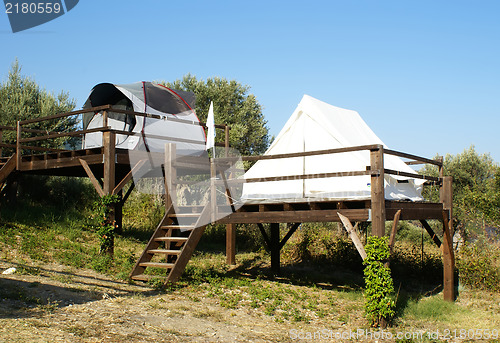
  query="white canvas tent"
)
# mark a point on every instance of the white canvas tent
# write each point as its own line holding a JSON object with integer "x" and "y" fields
{"x": 146, "y": 97}
{"x": 316, "y": 125}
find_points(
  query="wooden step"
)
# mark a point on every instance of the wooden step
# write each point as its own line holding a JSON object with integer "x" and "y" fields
{"x": 146, "y": 277}
{"x": 190, "y": 209}
{"x": 184, "y": 215}
{"x": 171, "y": 239}
{"x": 164, "y": 251}
{"x": 157, "y": 265}
{"x": 177, "y": 227}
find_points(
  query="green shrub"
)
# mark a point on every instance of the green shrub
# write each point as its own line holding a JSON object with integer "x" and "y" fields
{"x": 478, "y": 267}
{"x": 379, "y": 302}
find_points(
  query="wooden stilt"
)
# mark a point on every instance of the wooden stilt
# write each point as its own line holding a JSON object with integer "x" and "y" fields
{"x": 377, "y": 191}
{"x": 275, "y": 247}
{"x": 447, "y": 246}
{"x": 108, "y": 138}
{"x": 108, "y": 141}
{"x": 231, "y": 244}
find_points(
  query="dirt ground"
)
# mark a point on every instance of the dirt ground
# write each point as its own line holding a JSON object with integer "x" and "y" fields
{"x": 53, "y": 303}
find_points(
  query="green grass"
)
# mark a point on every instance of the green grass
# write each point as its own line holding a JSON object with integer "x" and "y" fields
{"x": 432, "y": 308}
{"x": 321, "y": 275}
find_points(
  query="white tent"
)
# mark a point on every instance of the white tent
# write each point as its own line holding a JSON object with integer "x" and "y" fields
{"x": 149, "y": 134}
{"x": 316, "y": 125}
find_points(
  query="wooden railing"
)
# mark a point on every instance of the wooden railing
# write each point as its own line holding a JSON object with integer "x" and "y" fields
{"x": 28, "y": 140}
{"x": 222, "y": 167}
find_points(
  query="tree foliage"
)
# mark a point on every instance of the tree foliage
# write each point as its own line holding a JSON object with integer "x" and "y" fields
{"x": 233, "y": 106}
{"x": 22, "y": 98}
{"x": 476, "y": 188}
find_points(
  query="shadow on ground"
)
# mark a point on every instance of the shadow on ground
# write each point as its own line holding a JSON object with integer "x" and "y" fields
{"x": 34, "y": 289}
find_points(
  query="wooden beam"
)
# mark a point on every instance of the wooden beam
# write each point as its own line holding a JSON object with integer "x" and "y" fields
{"x": 264, "y": 235}
{"x": 129, "y": 176}
{"x": 289, "y": 234}
{"x": 92, "y": 177}
{"x": 304, "y": 216}
{"x": 307, "y": 176}
{"x": 377, "y": 191}
{"x": 392, "y": 238}
{"x": 352, "y": 234}
{"x": 415, "y": 176}
{"x": 394, "y": 230}
{"x": 129, "y": 191}
{"x": 63, "y": 134}
{"x": 431, "y": 232}
{"x": 302, "y": 154}
{"x": 66, "y": 114}
{"x": 413, "y": 157}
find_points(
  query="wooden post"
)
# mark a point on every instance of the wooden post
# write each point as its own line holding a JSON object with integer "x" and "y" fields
{"x": 377, "y": 192}
{"x": 108, "y": 142}
{"x": 170, "y": 175}
{"x": 226, "y": 140}
{"x": 275, "y": 247}
{"x": 105, "y": 118}
{"x": 18, "y": 146}
{"x": 231, "y": 244}
{"x": 446, "y": 197}
{"x": 230, "y": 228}
{"x": 1, "y": 141}
{"x": 119, "y": 213}
{"x": 213, "y": 189}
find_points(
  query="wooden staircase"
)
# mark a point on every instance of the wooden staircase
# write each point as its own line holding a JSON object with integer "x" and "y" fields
{"x": 7, "y": 166}
{"x": 172, "y": 243}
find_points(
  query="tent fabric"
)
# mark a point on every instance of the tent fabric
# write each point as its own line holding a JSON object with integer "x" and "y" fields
{"x": 146, "y": 97}
{"x": 316, "y": 125}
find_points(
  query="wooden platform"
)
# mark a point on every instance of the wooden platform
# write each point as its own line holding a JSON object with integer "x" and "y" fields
{"x": 110, "y": 169}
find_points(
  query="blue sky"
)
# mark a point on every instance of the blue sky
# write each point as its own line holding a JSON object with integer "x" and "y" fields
{"x": 424, "y": 75}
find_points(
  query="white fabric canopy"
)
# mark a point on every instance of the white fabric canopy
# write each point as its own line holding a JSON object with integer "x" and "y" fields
{"x": 316, "y": 125}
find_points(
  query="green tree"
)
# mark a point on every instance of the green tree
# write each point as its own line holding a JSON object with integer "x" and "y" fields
{"x": 233, "y": 106}
{"x": 476, "y": 188}
{"x": 22, "y": 98}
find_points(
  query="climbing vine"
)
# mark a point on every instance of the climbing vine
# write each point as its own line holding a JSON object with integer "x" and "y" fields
{"x": 379, "y": 292}
{"x": 103, "y": 222}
